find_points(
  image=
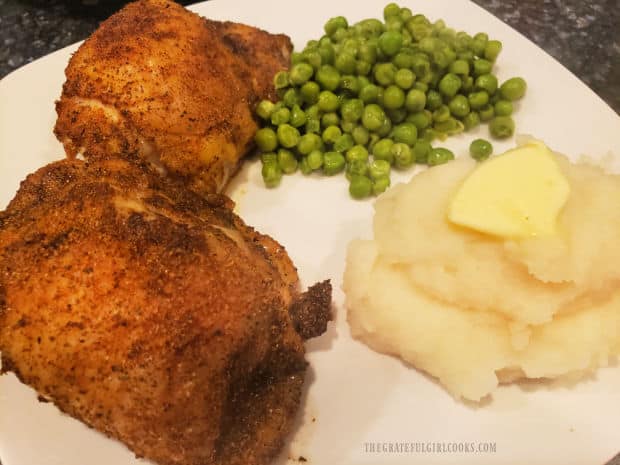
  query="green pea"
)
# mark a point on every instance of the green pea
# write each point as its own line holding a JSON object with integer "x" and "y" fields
{"x": 367, "y": 52}
{"x": 360, "y": 135}
{"x": 482, "y": 66}
{"x": 313, "y": 125}
{"x": 421, "y": 86}
{"x": 383, "y": 150}
{"x": 404, "y": 78}
{"x": 296, "y": 57}
{"x": 315, "y": 160}
{"x": 513, "y": 89}
{"x": 397, "y": 115}
{"x": 264, "y": 109}
{"x": 394, "y": 24}
{"x": 487, "y": 112}
{"x": 300, "y": 73}
{"x": 327, "y": 54}
{"x": 371, "y": 28}
{"x": 415, "y": 100}
{"x": 373, "y": 117}
{"x": 298, "y": 116}
{"x": 330, "y": 119}
{"x": 272, "y": 174}
{"x": 269, "y": 157}
{"x": 386, "y": 127}
{"x": 403, "y": 60}
{"x": 421, "y": 67}
{"x": 429, "y": 134}
{"x": 349, "y": 85}
{"x": 309, "y": 92}
{"x": 440, "y": 59}
{"x": 421, "y": 119}
{"x": 492, "y": 49}
{"x": 281, "y": 80}
{"x": 441, "y": 114}
{"x": 391, "y": 10}
{"x": 503, "y": 108}
{"x": 418, "y": 28}
{"x": 449, "y": 126}
{"x": 502, "y": 127}
{"x": 403, "y": 156}
{"x": 343, "y": 143}
{"x": 356, "y": 168}
{"x": 287, "y": 161}
{"x": 449, "y": 85}
{"x": 363, "y": 81}
{"x": 333, "y": 24}
{"x": 478, "y": 99}
{"x": 406, "y": 133}
{"x": 459, "y": 67}
{"x": 480, "y": 149}
{"x": 362, "y": 68}
{"x": 393, "y": 97}
{"x": 462, "y": 41}
{"x": 309, "y": 142}
{"x": 384, "y": 73}
{"x": 471, "y": 120}
{"x": 380, "y": 185}
{"x": 347, "y": 126}
{"x": 379, "y": 169}
{"x": 459, "y": 106}
{"x": 288, "y": 136}
{"x": 486, "y": 82}
{"x": 372, "y": 141}
{"x": 328, "y": 77}
{"x": 339, "y": 35}
{"x": 328, "y": 101}
{"x": 312, "y": 111}
{"x": 369, "y": 93}
{"x": 345, "y": 63}
{"x": 333, "y": 163}
{"x": 438, "y": 156}
{"x": 352, "y": 110}
{"x": 480, "y": 43}
{"x": 290, "y": 98}
{"x": 433, "y": 100}
{"x": 304, "y": 167}
{"x": 331, "y": 134}
{"x": 360, "y": 187}
{"x": 421, "y": 149}
{"x": 266, "y": 139}
{"x": 357, "y": 152}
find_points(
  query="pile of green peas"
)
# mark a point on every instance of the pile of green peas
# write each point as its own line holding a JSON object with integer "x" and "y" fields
{"x": 373, "y": 96}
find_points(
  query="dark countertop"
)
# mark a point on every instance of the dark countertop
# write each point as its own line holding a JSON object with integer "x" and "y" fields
{"x": 583, "y": 36}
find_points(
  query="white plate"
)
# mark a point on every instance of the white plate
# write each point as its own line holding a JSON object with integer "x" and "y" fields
{"x": 355, "y": 396}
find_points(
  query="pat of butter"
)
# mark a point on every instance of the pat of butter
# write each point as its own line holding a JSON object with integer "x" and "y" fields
{"x": 517, "y": 194}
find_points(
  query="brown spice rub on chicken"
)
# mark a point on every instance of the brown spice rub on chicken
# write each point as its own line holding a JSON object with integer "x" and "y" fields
{"x": 158, "y": 82}
{"x": 153, "y": 314}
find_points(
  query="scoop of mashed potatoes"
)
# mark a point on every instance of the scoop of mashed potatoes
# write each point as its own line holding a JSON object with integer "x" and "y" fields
{"x": 475, "y": 310}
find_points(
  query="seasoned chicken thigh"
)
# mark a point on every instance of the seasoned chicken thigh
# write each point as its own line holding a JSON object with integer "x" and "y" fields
{"x": 153, "y": 314}
{"x": 158, "y": 82}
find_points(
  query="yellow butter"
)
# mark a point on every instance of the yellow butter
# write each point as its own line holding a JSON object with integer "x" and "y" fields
{"x": 517, "y": 194}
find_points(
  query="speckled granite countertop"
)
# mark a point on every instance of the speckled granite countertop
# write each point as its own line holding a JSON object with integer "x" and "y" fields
{"x": 583, "y": 36}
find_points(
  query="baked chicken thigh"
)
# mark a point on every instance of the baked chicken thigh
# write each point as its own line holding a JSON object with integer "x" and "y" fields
{"x": 153, "y": 314}
{"x": 159, "y": 83}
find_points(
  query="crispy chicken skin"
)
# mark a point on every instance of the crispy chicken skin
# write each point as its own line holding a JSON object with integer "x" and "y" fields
{"x": 158, "y": 82}
{"x": 153, "y": 314}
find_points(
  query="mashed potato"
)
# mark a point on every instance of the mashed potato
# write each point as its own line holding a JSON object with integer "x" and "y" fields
{"x": 475, "y": 310}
